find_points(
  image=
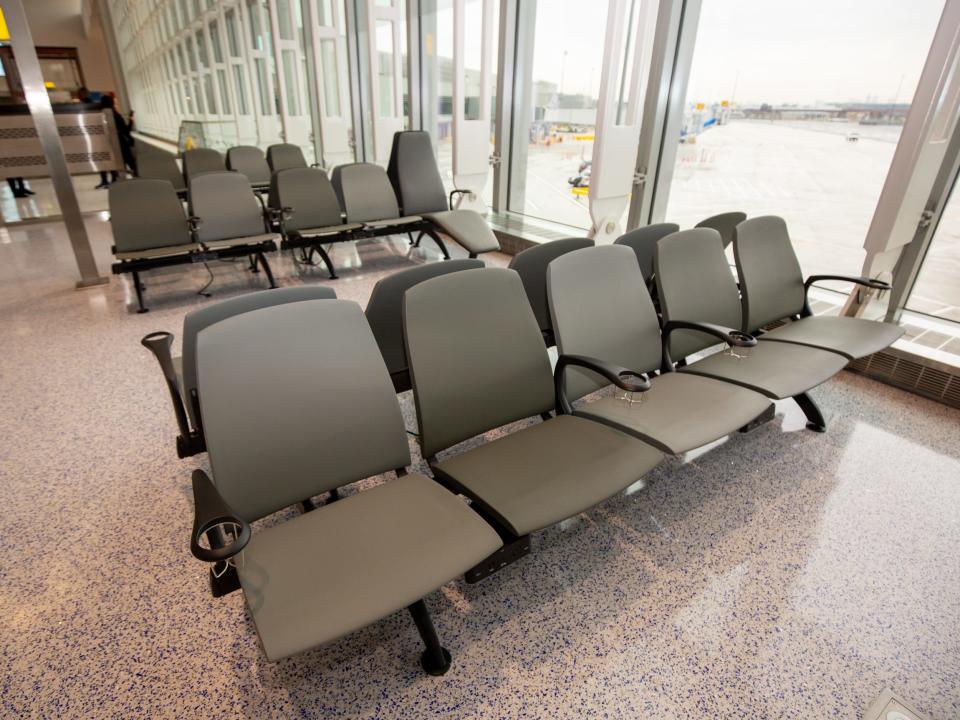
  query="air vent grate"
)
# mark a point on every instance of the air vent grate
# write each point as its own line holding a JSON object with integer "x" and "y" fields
{"x": 907, "y": 373}
{"x": 933, "y": 382}
{"x": 951, "y": 395}
{"x": 914, "y": 374}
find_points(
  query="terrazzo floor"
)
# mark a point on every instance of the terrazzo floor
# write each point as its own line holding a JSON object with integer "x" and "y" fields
{"x": 781, "y": 574}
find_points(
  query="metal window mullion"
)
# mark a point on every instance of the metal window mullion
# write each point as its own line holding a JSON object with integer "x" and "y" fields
{"x": 674, "y": 43}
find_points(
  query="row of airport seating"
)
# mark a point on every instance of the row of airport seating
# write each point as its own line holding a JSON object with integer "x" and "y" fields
{"x": 290, "y": 394}
{"x": 305, "y": 209}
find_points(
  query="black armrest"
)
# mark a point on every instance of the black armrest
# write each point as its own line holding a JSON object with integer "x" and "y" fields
{"x": 159, "y": 344}
{"x": 458, "y": 192}
{"x": 865, "y": 281}
{"x": 194, "y": 222}
{"x": 210, "y": 513}
{"x": 280, "y": 214}
{"x": 614, "y": 373}
{"x": 730, "y": 336}
{"x": 734, "y": 338}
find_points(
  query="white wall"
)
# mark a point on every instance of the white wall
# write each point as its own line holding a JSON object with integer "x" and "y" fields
{"x": 60, "y": 23}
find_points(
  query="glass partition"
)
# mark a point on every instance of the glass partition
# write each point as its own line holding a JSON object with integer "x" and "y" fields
{"x": 551, "y": 175}
{"x": 937, "y": 288}
{"x": 795, "y": 109}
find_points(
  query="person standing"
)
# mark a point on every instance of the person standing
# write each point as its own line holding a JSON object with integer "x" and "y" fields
{"x": 124, "y": 136}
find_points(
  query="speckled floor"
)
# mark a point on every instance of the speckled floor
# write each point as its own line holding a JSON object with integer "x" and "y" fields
{"x": 782, "y": 574}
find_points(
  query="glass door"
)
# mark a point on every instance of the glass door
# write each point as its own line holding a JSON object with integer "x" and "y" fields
{"x": 286, "y": 17}
{"x": 328, "y": 30}
{"x": 386, "y": 42}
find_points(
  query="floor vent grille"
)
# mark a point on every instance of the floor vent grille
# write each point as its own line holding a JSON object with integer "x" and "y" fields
{"x": 919, "y": 375}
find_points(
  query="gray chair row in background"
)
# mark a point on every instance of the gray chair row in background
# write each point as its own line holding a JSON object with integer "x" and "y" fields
{"x": 248, "y": 160}
{"x": 309, "y": 211}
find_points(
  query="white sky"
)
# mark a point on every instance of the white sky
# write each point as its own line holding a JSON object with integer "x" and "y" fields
{"x": 784, "y": 51}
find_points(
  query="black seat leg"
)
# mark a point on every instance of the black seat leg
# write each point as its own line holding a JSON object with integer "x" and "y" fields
{"x": 471, "y": 255}
{"x": 253, "y": 264}
{"x": 435, "y": 659}
{"x": 266, "y": 268}
{"x": 139, "y": 286}
{"x": 436, "y": 238}
{"x": 815, "y": 419}
{"x": 326, "y": 261}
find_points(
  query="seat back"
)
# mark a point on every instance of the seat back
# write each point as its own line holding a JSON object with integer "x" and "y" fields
{"x": 201, "y": 160}
{"x": 160, "y": 165}
{"x": 601, "y": 308}
{"x": 226, "y": 206}
{"x": 724, "y": 223}
{"x": 284, "y": 156}
{"x": 476, "y": 355}
{"x": 414, "y": 174}
{"x": 531, "y": 265}
{"x": 365, "y": 192}
{"x": 145, "y": 214}
{"x": 643, "y": 242}
{"x": 295, "y": 401}
{"x": 196, "y": 320}
{"x": 694, "y": 283}
{"x": 309, "y": 195}
{"x": 249, "y": 160}
{"x": 771, "y": 281}
{"x": 385, "y": 312}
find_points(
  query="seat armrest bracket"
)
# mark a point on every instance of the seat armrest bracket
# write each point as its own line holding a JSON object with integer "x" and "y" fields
{"x": 733, "y": 338}
{"x": 615, "y": 374}
{"x": 226, "y": 532}
{"x": 866, "y": 282}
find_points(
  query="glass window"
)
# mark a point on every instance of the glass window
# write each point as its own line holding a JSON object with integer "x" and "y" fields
{"x": 472, "y": 58}
{"x": 224, "y": 92}
{"x": 215, "y": 42}
{"x": 551, "y": 170}
{"x": 256, "y": 33}
{"x": 198, "y": 96}
{"x": 331, "y": 81}
{"x": 183, "y": 65}
{"x": 184, "y": 12}
{"x": 241, "y": 87}
{"x": 188, "y": 96}
{"x": 208, "y": 89}
{"x": 191, "y": 58}
{"x": 232, "y": 34}
{"x": 325, "y": 12}
{"x": 283, "y": 20}
{"x": 776, "y": 125}
{"x": 937, "y": 288}
{"x": 385, "y": 79}
{"x": 202, "y": 50}
{"x": 290, "y": 80}
{"x": 262, "y": 88}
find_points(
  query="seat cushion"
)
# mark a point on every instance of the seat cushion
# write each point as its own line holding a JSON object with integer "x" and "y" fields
{"x": 467, "y": 227}
{"x": 681, "y": 411}
{"x": 778, "y": 370}
{"x": 852, "y": 337}
{"x": 550, "y": 471}
{"x": 329, "y": 230}
{"x": 246, "y": 240}
{"x": 324, "y": 574}
{"x": 408, "y": 220}
{"x": 158, "y": 252}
